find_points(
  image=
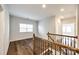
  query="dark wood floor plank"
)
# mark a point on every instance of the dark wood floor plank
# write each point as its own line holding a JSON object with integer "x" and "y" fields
{"x": 12, "y": 49}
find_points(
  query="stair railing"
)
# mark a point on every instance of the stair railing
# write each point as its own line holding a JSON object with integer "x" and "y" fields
{"x": 55, "y": 45}
{"x": 64, "y": 44}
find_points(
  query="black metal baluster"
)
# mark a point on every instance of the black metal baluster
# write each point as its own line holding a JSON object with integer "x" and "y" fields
{"x": 71, "y": 44}
{"x": 55, "y": 49}
{"x": 74, "y": 46}
{"x": 51, "y": 47}
{"x": 64, "y": 44}
{"x": 48, "y": 48}
{"x": 48, "y": 45}
{"x": 40, "y": 45}
{"x": 43, "y": 45}
{"x": 65, "y": 49}
{"x": 68, "y": 41}
{"x": 61, "y": 43}
{"x": 61, "y": 39}
{"x": 65, "y": 40}
{"x": 34, "y": 46}
{"x": 60, "y": 50}
{"x": 68, "y": 44}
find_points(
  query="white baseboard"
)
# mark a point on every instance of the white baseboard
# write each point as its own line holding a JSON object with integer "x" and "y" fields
{"x": 19, "y": 39}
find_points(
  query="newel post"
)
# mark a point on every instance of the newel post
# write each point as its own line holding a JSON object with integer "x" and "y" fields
{"x": 48, "y": 42}
{"x": 33, "y": 44}
{"x": 48, "y": 35}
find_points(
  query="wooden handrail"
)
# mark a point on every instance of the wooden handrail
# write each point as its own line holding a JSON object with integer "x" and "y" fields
{"x": 51, "y": 38}
{"x": 64, "y": 46}
{"x": 56, "y": 43}
{"x": 75, "y": 50}
{"x": 61, "y": 35}
{"x": 67, "y": 47}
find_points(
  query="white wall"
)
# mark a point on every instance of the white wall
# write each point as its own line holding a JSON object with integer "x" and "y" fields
{"x": 77, "y": 23}
{"x": 70, "y": 20}
{"x": 1, "y": 32}
{"x": 60, "y": 22}
{"x": 46, "y": 25}
{"x": 14, "y": 28}
{"x": 6, "y": 38}
{"x": 4, "y": 31}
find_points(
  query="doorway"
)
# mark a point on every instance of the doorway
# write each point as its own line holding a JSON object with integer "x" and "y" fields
{"x": 68, "y": 29}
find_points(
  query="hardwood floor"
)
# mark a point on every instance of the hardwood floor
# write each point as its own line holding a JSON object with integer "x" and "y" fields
{"x": 21, "y": 47}
{"x": 12, "y": 49}
{"x": 25, "y": 47}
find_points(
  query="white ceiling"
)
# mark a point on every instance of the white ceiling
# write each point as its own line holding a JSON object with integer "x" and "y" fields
{"x": 36, "y": 12}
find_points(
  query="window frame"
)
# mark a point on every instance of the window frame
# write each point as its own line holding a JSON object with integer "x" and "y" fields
{"x": 26, "y": 28}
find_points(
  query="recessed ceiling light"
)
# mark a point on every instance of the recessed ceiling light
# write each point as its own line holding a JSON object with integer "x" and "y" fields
{"x": 44, "y": 6}
{"x": 61, "y": 9}
{"x": 62, "y": 17}
{"x": 59, "y": 21}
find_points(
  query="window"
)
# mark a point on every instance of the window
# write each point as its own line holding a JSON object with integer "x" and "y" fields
{"x": 26, "y": 28}
{"x": 68, "y": 29}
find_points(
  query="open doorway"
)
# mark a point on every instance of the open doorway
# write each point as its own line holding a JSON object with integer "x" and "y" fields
{"x": 68, "y": 29}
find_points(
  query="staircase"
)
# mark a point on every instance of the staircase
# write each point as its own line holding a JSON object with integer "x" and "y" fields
{"x": 55, "y": 45}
